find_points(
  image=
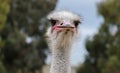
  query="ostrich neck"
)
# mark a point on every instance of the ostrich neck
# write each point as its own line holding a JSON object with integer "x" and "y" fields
{"x": 60, "y": 60}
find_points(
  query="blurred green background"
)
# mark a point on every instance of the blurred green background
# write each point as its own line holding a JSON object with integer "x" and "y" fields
{"x": 23, "y": 47}
{"x": 22, "y": 28}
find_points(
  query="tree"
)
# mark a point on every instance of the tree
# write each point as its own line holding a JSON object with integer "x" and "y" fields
{"x": 4, "y": 9}
{"x": 23, "y": 34}
{"x": 104, "y": 48}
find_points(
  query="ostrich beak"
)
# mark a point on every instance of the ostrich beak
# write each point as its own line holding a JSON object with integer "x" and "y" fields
{"x": 67, "y": 24}
{"x": 64, "y": 25}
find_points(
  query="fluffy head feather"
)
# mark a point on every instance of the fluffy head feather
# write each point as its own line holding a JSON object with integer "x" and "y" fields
{"x": 64, "y": 37}
{"x": 63, "y": 15}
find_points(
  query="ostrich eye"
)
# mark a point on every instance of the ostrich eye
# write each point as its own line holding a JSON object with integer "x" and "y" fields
{"x": 76, "y": 23}
{"x": 53, "y": 22}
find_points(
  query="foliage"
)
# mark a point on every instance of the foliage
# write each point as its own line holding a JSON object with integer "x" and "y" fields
{"x": 2, "y": 69}
{"x": 104, "y": 48}
{"x": 23, "y": 35}
{"x": 4, "y": 9}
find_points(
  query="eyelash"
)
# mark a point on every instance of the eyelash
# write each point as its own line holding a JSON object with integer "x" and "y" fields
{"x": 76, "y": 23}
{"x": 53, "y": 22}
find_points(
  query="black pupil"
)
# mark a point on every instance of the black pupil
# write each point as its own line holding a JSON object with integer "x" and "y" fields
{"x": 76, "y": 23}
{"x": 53, "y": 22}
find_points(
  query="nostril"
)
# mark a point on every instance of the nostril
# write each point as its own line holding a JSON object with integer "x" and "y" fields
{"x": 61, "y": 24}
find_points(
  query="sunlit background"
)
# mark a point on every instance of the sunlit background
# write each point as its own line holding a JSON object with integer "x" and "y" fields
{"x": 23, "y": 23}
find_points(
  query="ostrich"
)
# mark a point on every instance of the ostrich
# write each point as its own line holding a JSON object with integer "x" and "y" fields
{"x": 60, "y": 37}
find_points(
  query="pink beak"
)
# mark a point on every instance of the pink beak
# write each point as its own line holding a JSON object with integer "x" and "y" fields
{"x": 65, "y": 24}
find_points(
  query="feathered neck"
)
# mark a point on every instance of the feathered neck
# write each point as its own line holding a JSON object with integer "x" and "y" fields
{"x": 60, "y": 45}
{"x": 60, "y": 61}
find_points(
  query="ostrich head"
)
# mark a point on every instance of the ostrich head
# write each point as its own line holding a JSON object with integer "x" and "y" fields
{"x": 63, "y": 29}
